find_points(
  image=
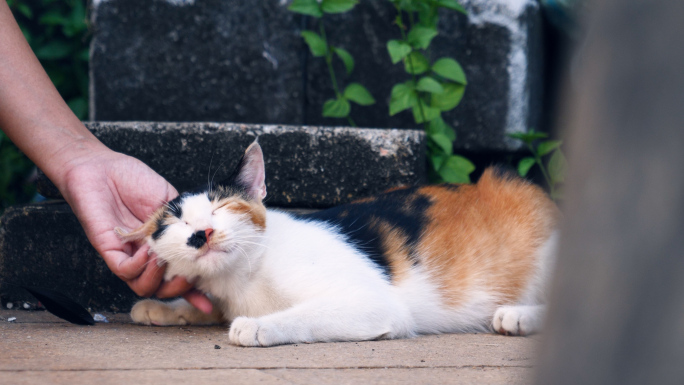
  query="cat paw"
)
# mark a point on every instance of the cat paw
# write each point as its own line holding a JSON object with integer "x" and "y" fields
{"x": 517, "y": 320}
{"x": 246, "y": 331}
{"x": 151, "y": 312}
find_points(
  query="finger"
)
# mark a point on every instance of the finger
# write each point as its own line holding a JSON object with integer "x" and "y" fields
{"x": 199, "y": 300}
{"x": 173, "y": 288}
{"x": 171, "y": 192}
{"x": 124, "y": 265}
{"x": 150, "y": 279}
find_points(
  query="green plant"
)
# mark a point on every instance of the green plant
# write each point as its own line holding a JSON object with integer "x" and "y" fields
{"x": 434, "y": 88}
{"x": 58, "y": 34}
{"x": 57, "y": 31}
{"x": 14, "y": 171}
{"x": 553, "y": 170}
{"x": 439, "y": 88}
{"x": 339, "y": 107}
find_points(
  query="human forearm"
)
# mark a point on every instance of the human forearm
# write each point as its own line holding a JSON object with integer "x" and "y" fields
{"x": 32, "y": 113}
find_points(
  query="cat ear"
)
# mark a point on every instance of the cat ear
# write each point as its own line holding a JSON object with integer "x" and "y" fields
{"x": 251, "y": 173}
{"x": 138, "y": 234}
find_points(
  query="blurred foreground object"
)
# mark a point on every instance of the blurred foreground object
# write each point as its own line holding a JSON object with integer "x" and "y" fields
{"x": 617, "y": 307}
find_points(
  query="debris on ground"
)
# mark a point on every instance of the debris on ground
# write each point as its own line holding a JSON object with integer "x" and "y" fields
{"x": 100, "y": 318}
{"x": 27, "y": 305}
{"x": 9, "y": 305}
{"x": 217, "y": 347}
{"x": 11, "y": 319}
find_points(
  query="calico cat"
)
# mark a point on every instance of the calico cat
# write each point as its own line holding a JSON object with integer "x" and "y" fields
{"x": 420, "y": 260}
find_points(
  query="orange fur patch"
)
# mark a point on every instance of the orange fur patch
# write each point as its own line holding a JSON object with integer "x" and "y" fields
{"x": 254, "y": 210}
{"x": 142, "y": 232}
{"x": 485, "y": 234}
{"x": 396, "y": 250}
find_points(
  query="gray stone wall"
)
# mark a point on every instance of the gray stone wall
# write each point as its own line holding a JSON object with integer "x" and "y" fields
{"x": 237, "y": 61}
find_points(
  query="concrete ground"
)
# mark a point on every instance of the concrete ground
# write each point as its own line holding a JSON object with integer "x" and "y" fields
{"x": 40, "y": 348}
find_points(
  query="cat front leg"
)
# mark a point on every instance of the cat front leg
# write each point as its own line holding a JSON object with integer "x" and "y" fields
{"x": 323, "y": 320}
{"x": 520, "y": 320}
{"x": 177, "y": 312}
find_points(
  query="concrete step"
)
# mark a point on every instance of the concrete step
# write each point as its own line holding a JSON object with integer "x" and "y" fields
{"x": 44, "y": 245}
{"x": 305, "y": 166}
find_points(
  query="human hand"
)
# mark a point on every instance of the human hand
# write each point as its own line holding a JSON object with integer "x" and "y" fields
{"x": 107, "y": 190}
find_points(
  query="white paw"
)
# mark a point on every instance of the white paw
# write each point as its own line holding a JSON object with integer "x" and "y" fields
{"x": 151, "y": 312}
{"x": 246, "y": 331}
{"x": 517, "y": 320}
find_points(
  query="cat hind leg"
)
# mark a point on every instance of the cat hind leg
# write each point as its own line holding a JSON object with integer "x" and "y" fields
{"x": 519, "y": 320}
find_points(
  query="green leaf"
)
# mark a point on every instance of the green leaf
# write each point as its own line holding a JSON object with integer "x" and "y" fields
{"x": 346, "y": 58}
{"x": 416, "y": 63}
{"x": 84, "y": 54}
{"x": 452, "y": 4}
{"x": 443, "y": 142}
{"x": 306, "y": 7}
{"x": 398, "y": 50}
{"x": 358, "y": 94}
{"x": 316, "y": 43}
{"x": 55, "y": 49}
{"x": 437, "y": 160}
{"x": 338, "y": 6}
{"x": 420, "y": 37}
{"x": 557, "y": 166}
{"x": 53, "y": 18}
{"x": 548, "y": 146}
{"x": 336, "y": 108}
{"x": 24, "y": 10}
{"x": 525, "y": 165}
{"x": 428, "y": 16}
{"x": 79, "y": 106}
{"x": 439, "y": 126}
{"x": 429, "y": 84}
{"x": 403, "y": 97}
{"x": 528, "y": 137}
{"x": 449, "y": 99}
{"x": 424, "y": 113}
{"x": 456, "y": 169}
{"x": 450, "y": 69}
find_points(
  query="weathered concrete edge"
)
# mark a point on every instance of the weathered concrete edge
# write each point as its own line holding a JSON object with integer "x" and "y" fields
{"x": 385, "y": 142}
{"x": 379, "y": 138}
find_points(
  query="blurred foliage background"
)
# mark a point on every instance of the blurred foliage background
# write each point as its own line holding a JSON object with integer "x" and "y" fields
{"x": 57, "y": 31}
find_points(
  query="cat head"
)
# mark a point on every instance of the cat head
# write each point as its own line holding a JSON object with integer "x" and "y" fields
{"x": 211, "y": 229}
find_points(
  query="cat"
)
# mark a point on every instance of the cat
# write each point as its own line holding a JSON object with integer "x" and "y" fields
{"x": 418, "y": 260}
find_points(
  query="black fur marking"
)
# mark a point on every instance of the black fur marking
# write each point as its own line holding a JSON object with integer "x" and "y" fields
{"x": 161, "y": 227}
{"x": 404, "y": 210}
{"x": 197, "y": 239}
{"x": 174, "y": 207}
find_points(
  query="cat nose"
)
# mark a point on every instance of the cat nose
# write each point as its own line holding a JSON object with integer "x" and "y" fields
{"x": 197, "y": 239}
{"x": 207, "y": 233}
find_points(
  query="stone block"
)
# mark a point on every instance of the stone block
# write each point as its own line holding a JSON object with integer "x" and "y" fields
{"x": 305, "y": 166}
{"x": 43, "y": 245}
{"x": 245, "y": 62}
{"x": 499, "y": 45}
{"x": 187, "y": 60}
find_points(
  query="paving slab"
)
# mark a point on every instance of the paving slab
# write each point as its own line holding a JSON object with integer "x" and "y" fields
{"x": 39, "y": 348}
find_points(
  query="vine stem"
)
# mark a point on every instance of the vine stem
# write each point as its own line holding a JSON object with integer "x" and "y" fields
{"x": 331, "y": 70}
{"x": 328, "y": 59}
{"x": 413, "y": 75}
{"x": 538, "y": 160}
